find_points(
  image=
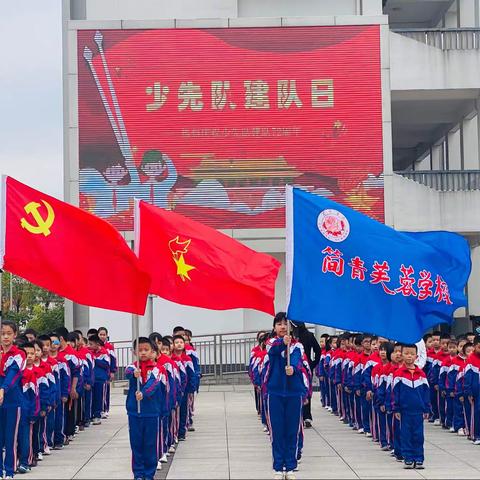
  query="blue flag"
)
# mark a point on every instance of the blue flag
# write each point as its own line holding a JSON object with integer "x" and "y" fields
{"x": 349, "y": 271}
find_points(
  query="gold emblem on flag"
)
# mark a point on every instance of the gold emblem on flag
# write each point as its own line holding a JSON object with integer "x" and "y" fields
{"x": 42, "y": 225}
{"x": 179, "y": 249}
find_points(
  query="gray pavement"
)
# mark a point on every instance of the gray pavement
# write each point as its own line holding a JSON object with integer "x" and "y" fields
{"x": 229, "y": 443}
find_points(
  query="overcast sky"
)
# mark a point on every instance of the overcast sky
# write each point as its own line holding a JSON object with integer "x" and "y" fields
{"x": 31, "y": 93}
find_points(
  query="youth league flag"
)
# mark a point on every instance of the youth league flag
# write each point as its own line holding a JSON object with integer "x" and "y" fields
{"x": 68, "y": 251}
{"x": 349, "y": 271}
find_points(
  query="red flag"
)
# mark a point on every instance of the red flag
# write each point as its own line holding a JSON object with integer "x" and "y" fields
{"x": 69, "y": 251}
{"x": 193, "y": 264}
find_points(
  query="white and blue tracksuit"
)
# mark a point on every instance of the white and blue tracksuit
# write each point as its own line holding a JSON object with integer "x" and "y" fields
{"x": 411, "y": 398}
{"x": 143, "y": 423}
{"x": 471, "y": 388}
{"x": 285, "y": 395}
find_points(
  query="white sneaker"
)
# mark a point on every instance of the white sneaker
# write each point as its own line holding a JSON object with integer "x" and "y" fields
{"x": 437, "y": 423}
{"x": 476, "y": 442}
{"x": 461, "y": 432}
{"x": 159, "y": 465}
{"x": 290, "y": 475}
{"x": 164, "y": 459}
{"x": 104, "y": 415}
{"x": 77, "y": 429}
{"x": 265, "y": 429}
{"x": 172, "y": 449}
{"x": 39, "y": 456}
{"x": 308, "y": 423}
{"x": 360, "y": 430}
{"x": 452, "y": 430}
{"x": 368, "y": 435}
{"x": 96, "y": 421}
{"x": 47, "y": 451}
{"x": 278, "y": 476}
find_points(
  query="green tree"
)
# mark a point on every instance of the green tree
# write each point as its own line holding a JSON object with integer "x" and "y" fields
{"x": 46, "y": 320}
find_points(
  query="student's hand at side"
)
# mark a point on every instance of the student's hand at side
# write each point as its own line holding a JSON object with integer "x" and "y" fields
{"x": 64, "y": 399}
{"x": 452, "y": 394}
{"x": 289, "y": 371}
{"x": 139, "y": 396}
{"x": 398, "y": 415}
{"x": 321, "y": 378}
{"x": 287, "y": 340}
{"x": 382, "y": 408}
{"x": 88, "y": 387}
{"x": 462, "y": 399}
{"x": 73, "y": 395}
{"x": 471, "y": 399}
{"x": 43, "y": 413}
{"x": 444, "y": 393}
{"x": 358, "y": 393}
{"x": 137, "y": 373}
{"x": 426, "y": 416}
{"x": 347, "y": 390}
{"x": 435, "y": 387}
{"x": 369, "y": 395}
{"x": 49, "y": 409}
{"x": 2, "y": 393}
{"x": 112, "y": 377}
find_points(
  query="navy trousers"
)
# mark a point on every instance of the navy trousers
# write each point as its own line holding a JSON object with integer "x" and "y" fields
{"x": 397, "y": 438}
{"x": 25, "y": 434}
{"x": 366, "y": 411}
{"x": 182, "y": 428}
{"x": 412, "y": 437}
{"x": 284, "y": 419}
{"x": 458, "y": 414}
{"x": 51, "y": 426}
{"x": 382, "y": 427}
{"x": 144, "y": 444}
{"x": 59, "y": 435}
{"x": 98, "y": 399}
{"x": 9, "y": 424}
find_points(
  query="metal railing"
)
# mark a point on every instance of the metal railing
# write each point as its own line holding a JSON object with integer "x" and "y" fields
{"x": 444, "y": 38}
{"x": 446, "y": 180}
{"x": 220, "y": 353}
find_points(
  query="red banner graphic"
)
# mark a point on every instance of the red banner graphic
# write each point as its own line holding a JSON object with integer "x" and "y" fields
{"x": 212, "y": 123}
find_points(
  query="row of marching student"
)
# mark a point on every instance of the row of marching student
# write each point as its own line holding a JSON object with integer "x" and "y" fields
{"x": 51, "y": 388}
{"x": 380, "y": 389}
{"x": 160, "y": 401}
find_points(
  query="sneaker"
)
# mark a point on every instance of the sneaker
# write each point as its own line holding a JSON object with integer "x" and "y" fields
{"x": 461, "y": 432}
{"x": 181, "y": 438}
{"x": 452, "y": 430}
{"x": 23, "y": 469}
{"x": 265, "y": 429}
{"x": 476, "y": 442}
{"x": 191, "y": 429}
{"x": 436, "y": 423}
{"x": 277, "y": 475}
{"x": 385, "y": 449}
{"x": 104, "y": 415}
{"x": 96, "y": 421}
{"x": 171, "y": 449}
{"x": 159, "y": 465}
{"x": 408, "y": 465}
{"x": 58, "y": 447}
{"x": 77, "y": 429}
{"x": 368, "y": 434}
{"x": 290, "y": 475}
{"x": 399, "y": 458}
{"x": 39, "y": 456}
{"x": 360, "y": 430}
{"x": 47, "y": 451}
{"x": 419, "y": 465}
{"x": 307, "y": 423}
{"x": 81, "y": 428}
{"x": 164, "y": 459}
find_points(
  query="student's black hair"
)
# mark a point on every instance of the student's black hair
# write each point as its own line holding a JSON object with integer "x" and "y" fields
{"x": 39, "y": 343}
{"x": 445, "y": 336}
{"x": 80, "y": 333}
{"x": 92, "y": 331}
{"x": 409, "y": 345}
{"x": 188, "y": 332}
{"x": 374, "y": 338}
{"x": 102, "y": 328}
{"x": 30, "y": 331}
{"x": 476, "y": 340}
{"x": 397, "y": 344}
{"x": 166, "y": 342}
{"x": 96, "y": 339}
{"x": 453, "y": 341}
{"x": 9, "y": 323}
{"x": 436, "y": 333}
{"x": 155, "y": 337}
{"x": 388, "y": 347}
{"x": 426, "y": 337}
{"x": 468, "y": 334}
{"x": 367, "y": 335}
{"x": 53, "y": 334}
{"x": 467, "y": 345}
{"x": 155, "y": 347}
{"x": 358, "y": 340}
{"x": 28, "y": 345}
{"x": 279, "y": 317}
{"x": 44, "y": 338}
{"x": 20, "y": 340}
{"x": 62, "y": 332}
{"x": 461, "y": 337}
{"x": 143, "y": 341}
{"x": 169, "y": 338}
{"x": 324, "y": 335}
{"x": 175, "y": 337}
{"x": 73, "y": 337}
{"x": 178, "y": 328}
{"x": 263, "y": 338}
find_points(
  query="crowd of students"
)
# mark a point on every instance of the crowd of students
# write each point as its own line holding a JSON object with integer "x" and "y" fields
{"x": 380, "y": 389}
{"x": 52, "y": 387}
{"x": 160, "y": 400}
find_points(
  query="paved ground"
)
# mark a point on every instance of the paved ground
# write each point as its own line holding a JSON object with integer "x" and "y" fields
{"x": 229, "y": 443}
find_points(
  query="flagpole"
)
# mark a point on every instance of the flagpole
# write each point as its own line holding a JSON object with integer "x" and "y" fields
{"x": 136, "y": 330}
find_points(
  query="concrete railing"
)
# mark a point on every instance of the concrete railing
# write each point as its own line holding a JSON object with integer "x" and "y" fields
{"x": 446, "y": 180}
{"x": 444, "y": 38}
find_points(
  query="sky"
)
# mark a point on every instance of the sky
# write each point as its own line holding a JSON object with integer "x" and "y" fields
{"x": 31, "y": 135}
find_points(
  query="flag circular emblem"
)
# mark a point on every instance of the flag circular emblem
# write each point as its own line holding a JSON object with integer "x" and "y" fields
{"x": 333, "y": 225}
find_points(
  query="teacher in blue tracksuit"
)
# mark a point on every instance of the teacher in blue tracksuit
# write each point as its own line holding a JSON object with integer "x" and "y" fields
{"x": 286, "y": 392}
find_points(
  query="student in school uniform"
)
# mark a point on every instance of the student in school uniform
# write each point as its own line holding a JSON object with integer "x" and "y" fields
{"x": 101, "y": 372}
{"x": 103, "y": 334}
{"x": 286, "y": 392}
{"x": 143, "y": 410}
{"x": 393, "y": 423}
{"x": 29, "y": 410}
{"x": 411, "y": 395}
{"x": 446, "y": 383}
{"x": 471, "y": 387}
{"x": 12, "y": 364}
{"x": 462, "y": 410}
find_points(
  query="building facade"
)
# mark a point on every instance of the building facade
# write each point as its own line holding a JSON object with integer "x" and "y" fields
{"x": 413, "y": 102}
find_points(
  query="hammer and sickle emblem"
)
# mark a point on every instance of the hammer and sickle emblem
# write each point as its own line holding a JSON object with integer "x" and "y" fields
{"x": 42, "y": 225}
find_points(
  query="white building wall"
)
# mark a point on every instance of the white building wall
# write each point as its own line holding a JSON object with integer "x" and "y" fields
{"x": 454, "y": 157}
{"x": 470, "y": 142}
